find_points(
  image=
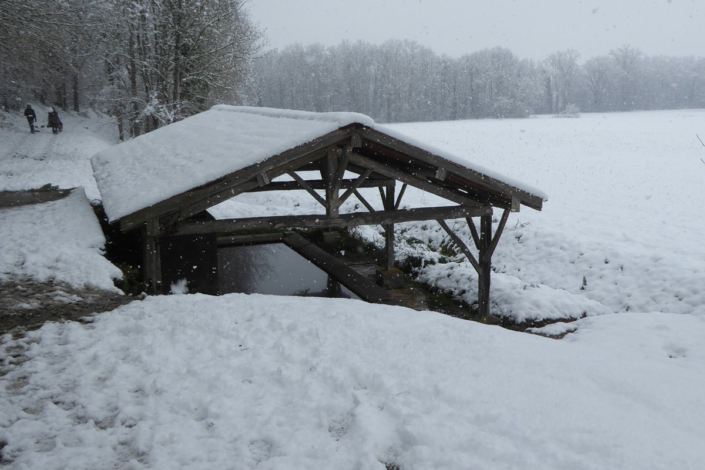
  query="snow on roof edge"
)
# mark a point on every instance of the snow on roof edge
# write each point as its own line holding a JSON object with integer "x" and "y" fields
{"x": 340, "y": 118}
{"x": 462, "y": 162}
{"x": 343, "y": 119}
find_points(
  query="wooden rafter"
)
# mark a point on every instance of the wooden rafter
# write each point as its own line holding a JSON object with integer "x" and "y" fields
{"x": 411, "y": 180}
{"x": 372, "y": 137}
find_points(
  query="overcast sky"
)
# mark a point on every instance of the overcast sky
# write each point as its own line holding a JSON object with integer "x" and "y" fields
{"x": 530, "y": 28}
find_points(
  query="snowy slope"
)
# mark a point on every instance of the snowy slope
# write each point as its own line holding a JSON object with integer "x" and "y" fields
{"x": 30, "y": 161}
{"x": 240, "y": 382}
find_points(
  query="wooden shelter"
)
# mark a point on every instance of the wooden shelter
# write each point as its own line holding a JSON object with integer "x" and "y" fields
{"x": 333, "y": 145}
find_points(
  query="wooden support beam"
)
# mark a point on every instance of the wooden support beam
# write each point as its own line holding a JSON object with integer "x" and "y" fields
{"x": 342, "y": 165}
{"x": 441, "y": 173}
{"x": 322, "y": 221}
{"x": 497, "y": 234}
{"x": 411, "y": 180}
{"x": 401, "y": 194}
{"x": 364, "y": 202}
{"x": 308, "y": 188}
{"x": 361, "y": 179}
{"x": 151, "y": 256}
{"x": 463, "y": 247}
{"x": 473, "y": 231}
{"x": 389, "y": 230}
{"x": 483, "y": 283}
{"x": 329, "y": 170}
{"x": 361, "y": 286}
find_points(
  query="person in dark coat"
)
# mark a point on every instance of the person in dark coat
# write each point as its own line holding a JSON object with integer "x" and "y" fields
{"x": 54, "y": 122}
{"x": 31, "y": 118}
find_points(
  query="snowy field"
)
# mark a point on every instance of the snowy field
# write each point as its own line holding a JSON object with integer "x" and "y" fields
{"x": 281, "y": 383}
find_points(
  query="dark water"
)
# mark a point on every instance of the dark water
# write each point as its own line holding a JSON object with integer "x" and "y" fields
{"x": 274, "y": 269}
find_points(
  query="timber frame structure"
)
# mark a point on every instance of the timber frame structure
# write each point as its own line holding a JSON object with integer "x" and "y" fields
{"x": 380, "y": 161}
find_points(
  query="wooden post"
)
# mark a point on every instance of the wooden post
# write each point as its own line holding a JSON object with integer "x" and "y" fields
{"x": 389, "y": 230}
{"x": 328, "y": 175}
{"x": 485, "y": 262}
{"x": 152, "y": 264}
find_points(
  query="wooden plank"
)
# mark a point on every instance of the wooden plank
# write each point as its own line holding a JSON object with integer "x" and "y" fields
{"x": 441, "y": 174}
{"x": 411, "y": 180}
{"x": 229, "y": 182}
{"x": 497, "y": 233}
{"x": 361, "y": 286}
{"x": 22, "y": 198}
{"x": 308, "y": 188}
{"x": 321, "y": 221}
{"x": 463, "y": 247}
{"x": 476, "y": 177}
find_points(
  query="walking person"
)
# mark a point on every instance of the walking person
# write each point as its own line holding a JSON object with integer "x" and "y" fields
{"x": 31, "y": 118}
{"x": 54, "y": 122}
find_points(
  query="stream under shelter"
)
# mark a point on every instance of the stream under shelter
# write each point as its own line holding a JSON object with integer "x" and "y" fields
{"x": 162, "y": 183}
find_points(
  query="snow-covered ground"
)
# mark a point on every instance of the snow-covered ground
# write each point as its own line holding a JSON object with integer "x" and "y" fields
{"x": 276, "y": 382}
{"x": 237, "y": 382}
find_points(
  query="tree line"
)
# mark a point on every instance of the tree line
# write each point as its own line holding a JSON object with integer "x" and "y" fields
{"x": 401, "y": 81}
{"x": 146, "y": 62}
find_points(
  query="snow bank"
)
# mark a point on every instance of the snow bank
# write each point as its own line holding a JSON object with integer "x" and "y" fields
{"x": 286, "y": 383}
{"x": 60, "y": 240}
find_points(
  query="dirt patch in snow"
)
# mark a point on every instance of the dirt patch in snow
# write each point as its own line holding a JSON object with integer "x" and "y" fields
{"x": 25, "y": 304}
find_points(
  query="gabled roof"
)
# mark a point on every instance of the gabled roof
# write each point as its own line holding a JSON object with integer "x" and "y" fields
{"x": 201, "y": 156}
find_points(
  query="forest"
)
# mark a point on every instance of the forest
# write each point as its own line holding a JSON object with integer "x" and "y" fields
{"x": 152, "y": 62}
{"x": 402, "y": 81}
{"x": 146, "y": 62}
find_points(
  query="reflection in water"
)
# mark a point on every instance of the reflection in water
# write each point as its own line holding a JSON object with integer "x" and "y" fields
{"x": 274, "y": 269}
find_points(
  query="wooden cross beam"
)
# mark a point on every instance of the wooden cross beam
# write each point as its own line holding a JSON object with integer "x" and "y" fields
{"x": 322, "y": 221}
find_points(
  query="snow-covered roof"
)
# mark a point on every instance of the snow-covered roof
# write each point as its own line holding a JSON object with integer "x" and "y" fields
{"x": 225, "y": 139}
